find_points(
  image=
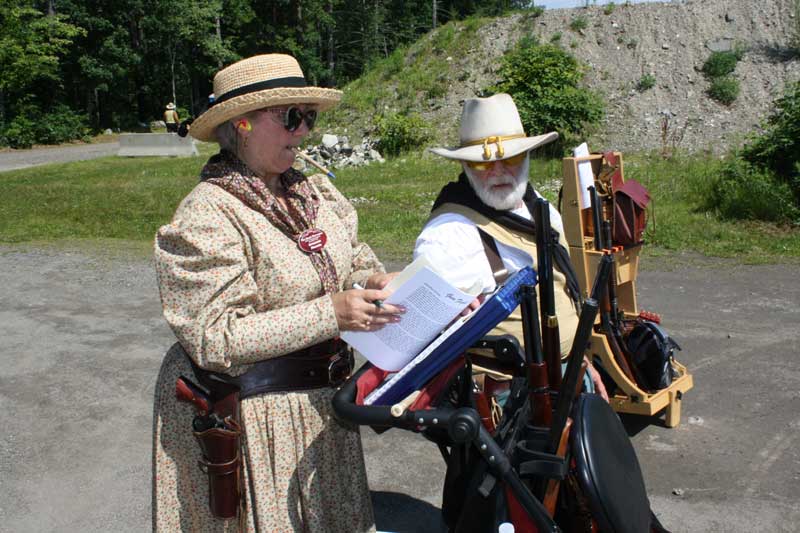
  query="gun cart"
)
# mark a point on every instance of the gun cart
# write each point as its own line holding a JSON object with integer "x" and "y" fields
{"x": 579, "y": 232}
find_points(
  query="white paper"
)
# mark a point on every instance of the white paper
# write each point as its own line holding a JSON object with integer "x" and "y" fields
{"x": 585, "y": 175}
{"x": 431, "y": 304}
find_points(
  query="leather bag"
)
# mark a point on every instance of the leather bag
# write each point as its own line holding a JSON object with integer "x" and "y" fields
{"x": 630, "y": 201}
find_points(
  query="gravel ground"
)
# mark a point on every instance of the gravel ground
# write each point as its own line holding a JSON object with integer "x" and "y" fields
{"x": 83, "y": 338}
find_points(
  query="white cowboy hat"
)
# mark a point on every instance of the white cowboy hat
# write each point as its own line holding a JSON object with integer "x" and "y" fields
{"x": 492, "y": 130}
{"x": 170, "y": 106}
{"x": 257, "y": 82}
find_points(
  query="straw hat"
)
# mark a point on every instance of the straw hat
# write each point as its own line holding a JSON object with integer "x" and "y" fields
{"x": 491, "y": 130}
{"x": 257, "y": 82}
{"x": 170, "y": 106}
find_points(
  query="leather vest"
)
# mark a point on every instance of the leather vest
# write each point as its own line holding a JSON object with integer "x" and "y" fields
{"x": 565, "y": 308}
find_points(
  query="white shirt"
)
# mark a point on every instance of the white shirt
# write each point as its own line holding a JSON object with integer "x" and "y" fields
{"x": 451, "y": 242}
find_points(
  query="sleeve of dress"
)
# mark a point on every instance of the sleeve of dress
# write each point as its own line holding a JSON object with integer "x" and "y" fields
{"x": 364, "y": 262}
{"x": 210, "y": 298}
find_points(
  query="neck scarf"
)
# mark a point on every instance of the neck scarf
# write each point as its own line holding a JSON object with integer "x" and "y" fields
{"x": 228, "y": 172}
{"x": 461, "y": 192}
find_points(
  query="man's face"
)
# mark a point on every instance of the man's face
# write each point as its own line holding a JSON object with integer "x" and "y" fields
{"x": 501, "y": 184}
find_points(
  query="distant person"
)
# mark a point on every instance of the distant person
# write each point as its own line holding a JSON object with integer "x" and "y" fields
{"x": 171, "y": 118}
{"x": 493, "y": 199}
{"x": 255, "y": 273}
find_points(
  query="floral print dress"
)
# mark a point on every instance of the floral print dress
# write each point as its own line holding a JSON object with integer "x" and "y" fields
{"x": 235, "y": 291}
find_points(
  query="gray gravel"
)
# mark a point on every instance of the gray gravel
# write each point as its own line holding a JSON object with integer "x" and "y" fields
{"x": 83, "y": 338}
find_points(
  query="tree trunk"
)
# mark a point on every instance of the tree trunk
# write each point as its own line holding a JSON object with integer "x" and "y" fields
{"x": 435, "y": 9}
{"x": 219, "y": 38}
{"x": 331, "y": 60}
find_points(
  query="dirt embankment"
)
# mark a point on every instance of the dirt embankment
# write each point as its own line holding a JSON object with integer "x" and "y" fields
{"x": 669, "y": 41}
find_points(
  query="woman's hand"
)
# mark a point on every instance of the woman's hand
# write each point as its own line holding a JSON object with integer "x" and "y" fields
{"x": 356, "y": 310}
{"x": 380, "y": 279}
{"x": 599, "y": 386}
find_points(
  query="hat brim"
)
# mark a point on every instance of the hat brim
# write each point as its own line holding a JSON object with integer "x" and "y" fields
{"x": 203, "y": 127}
{"x": 511, "y": 148}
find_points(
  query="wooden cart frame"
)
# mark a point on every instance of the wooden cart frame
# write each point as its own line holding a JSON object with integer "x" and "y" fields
{"x": 629, "y": 398}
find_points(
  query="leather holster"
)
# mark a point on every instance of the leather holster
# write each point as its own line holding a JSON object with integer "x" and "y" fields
{"x": 222, "y": 460}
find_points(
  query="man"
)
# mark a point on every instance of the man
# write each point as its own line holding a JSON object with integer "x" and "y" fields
{"x": 491, "y": 203}
{"x": 171, "y": 118}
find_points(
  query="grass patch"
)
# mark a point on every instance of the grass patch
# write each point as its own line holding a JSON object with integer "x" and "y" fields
{"x": 128, "y": 199}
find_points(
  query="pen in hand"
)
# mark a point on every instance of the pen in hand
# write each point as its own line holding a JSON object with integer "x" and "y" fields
{"x": 378, "y": 303}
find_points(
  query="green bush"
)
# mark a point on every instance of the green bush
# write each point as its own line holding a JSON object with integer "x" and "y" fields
{"x": 609, "y": 8}
{"x": 536, "y": 11}
{"x": 61, "y": 125}
{"x": 544, "y": 81}
{"x": 30, "y": 126}
{"x": 20, "y": 132}
{"x": 647, "y": 81}
{"x": 778, "y": 148}
{"x": 724, "y": 90}
{"x": 399, "y": 133}
{"x": 721, "y": 64}
{"x": 579, "y": 23}
{"x": 746, "y": 191}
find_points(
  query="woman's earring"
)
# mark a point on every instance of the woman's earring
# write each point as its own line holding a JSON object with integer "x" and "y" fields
{"x": 245, "y": 142}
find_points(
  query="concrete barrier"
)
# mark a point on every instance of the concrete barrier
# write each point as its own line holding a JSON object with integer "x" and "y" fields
{"x": 155, "y": 144}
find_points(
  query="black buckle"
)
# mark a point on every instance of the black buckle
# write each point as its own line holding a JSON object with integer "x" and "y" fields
{"x": 339, "y": 367}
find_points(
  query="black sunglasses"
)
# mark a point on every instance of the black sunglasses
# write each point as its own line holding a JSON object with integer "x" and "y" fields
{"x": 293, "y": 116}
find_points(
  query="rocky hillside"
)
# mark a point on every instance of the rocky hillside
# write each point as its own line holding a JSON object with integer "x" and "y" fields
{"x": 669, "y": 41}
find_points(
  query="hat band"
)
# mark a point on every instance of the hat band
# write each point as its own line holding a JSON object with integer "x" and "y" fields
{"x": 277, "y": 83}
{"x": 495, "y": 139}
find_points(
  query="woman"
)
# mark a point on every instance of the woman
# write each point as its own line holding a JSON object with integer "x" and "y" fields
{"x": 251, "y": 272}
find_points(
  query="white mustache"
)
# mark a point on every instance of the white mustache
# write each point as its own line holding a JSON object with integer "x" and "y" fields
{"x": 501, "y": 180}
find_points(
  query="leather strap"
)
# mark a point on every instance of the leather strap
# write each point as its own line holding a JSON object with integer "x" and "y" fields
{"x": 499, "y": 270}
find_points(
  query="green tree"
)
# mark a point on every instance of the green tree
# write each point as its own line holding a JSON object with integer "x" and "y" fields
{"x": 545, "y": 82}
{"x": 31, "y": 47}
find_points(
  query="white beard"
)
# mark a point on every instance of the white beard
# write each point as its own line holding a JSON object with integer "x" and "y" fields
{"x": 500, "y": 200}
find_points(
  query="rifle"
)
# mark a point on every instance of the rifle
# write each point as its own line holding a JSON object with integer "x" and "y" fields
{"x": 551, "y": 339}
{"x": 566, "y": 396}
{"x": 541, "y": 412}
{"x": 609, "y": 322}
{"x": 558, "y": 437}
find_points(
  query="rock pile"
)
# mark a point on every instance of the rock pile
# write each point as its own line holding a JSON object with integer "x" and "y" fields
{"x": 336, "y": 152}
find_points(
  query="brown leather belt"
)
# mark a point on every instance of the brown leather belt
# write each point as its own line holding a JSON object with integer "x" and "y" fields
{"x": 325, "y": 364}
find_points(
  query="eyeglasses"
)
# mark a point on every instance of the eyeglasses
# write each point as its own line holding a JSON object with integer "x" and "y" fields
{"x": 293, "y": 116}
{"x": 508, "y": 162}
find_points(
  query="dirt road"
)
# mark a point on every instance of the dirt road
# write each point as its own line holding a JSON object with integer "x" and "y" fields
{"x": 14, "y": 159}
{"x": 82, "y": 338}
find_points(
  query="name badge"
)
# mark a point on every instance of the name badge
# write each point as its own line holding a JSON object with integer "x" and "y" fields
{"x": 312, "y": 240}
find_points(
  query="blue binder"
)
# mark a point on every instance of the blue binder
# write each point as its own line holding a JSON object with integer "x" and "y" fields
{"x": 418, "y": 372}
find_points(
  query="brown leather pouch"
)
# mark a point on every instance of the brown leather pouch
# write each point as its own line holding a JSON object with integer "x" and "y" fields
{"x": 222, "y": 463}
